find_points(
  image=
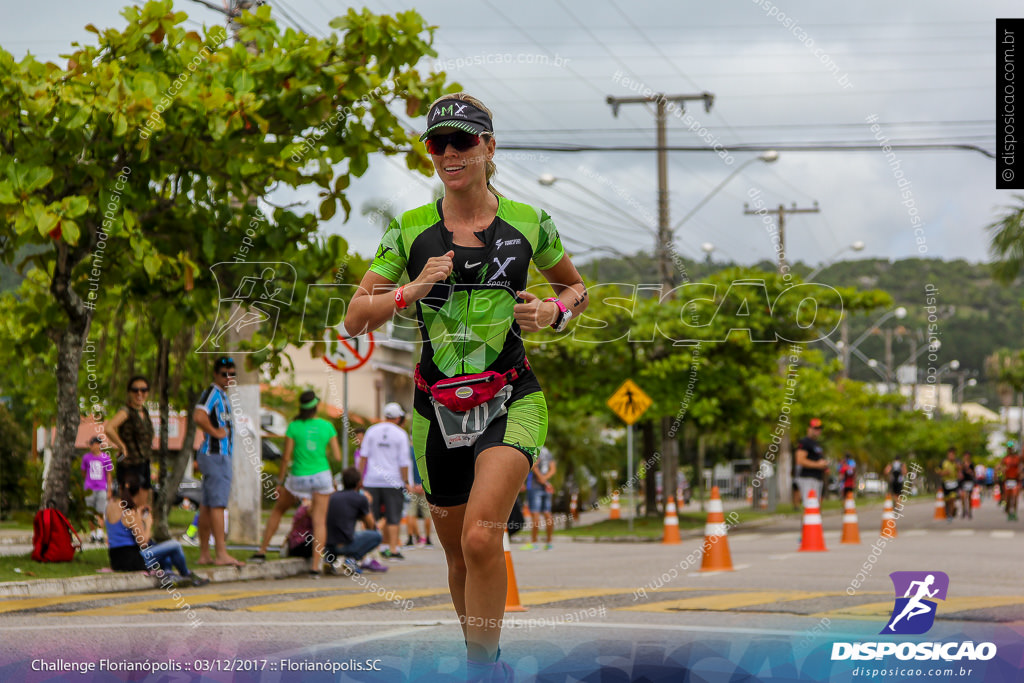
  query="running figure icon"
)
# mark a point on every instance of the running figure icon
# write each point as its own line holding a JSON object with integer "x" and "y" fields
{"x": 915, "y": 606}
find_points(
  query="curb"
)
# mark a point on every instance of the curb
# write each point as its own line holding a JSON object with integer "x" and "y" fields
{"x": 137, "y": 581}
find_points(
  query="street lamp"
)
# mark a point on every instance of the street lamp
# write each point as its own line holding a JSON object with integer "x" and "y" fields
{"x": 548, "y": 179}
{"x": 853, "y": 246}
{"x": 707, "y": 248}
{"x": 768, "y": 157}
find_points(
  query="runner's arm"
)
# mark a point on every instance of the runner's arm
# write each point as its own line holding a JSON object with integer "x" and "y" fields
{"x": 374, "y": 304}
{"x": 534, "y": 314}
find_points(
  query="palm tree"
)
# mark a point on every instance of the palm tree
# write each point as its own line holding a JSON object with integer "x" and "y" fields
{"x": 1006, "y": 367}
{"x": 1007, "y": 246}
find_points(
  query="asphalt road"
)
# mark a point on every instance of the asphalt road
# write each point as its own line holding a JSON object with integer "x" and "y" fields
{"x": 630, "y": 609}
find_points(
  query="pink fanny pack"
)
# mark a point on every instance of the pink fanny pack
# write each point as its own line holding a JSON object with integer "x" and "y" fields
{"x": 466, "y": 392}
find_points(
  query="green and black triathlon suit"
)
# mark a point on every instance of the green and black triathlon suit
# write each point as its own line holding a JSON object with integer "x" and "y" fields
{"x": 467, "y": 326}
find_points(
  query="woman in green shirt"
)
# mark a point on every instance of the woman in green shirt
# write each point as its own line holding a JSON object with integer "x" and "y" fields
{"x": 309, "y": 476}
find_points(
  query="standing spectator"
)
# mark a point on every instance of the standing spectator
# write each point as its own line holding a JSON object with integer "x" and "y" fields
{"x": 967, "y": 484}
{"x": 539, "y": 491}
{"x": 213, "y": 415}
{"x": 811, "y": 462}
{"x": 98, "y": 483}
{"x": 345, "y": 508}
{"x": 384, "y": 457}
{"x": 848, "y": 474}
{"x": 131, "y": 431}
{"x": 949, "y": 470}
{"x": 420, "y": 508}
{"x": 1010, "y": 474}
{"x": 307, "y": 440}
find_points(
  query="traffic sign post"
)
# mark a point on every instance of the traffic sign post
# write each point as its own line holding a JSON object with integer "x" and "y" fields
{"x": 345, "y": 355}
{"x": 630, "y": 402}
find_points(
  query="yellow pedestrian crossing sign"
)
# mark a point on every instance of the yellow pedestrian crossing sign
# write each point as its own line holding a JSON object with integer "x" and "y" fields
{"x": 629, "y": 402}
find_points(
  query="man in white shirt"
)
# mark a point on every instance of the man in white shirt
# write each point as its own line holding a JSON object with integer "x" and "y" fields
{"x": 384, "y": 463}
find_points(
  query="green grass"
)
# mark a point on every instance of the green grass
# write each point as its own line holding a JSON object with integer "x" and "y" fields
{"x": 86, "y": 563}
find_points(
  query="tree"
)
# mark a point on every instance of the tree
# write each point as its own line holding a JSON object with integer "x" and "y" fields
{"x": 1007, "y": 243}
{"x": 123, "y": 165}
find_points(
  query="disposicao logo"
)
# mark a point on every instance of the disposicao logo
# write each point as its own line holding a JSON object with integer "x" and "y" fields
{"x": 913, "y": 614}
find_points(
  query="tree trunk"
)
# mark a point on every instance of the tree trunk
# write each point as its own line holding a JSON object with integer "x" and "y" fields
{"x": 71, "y": 342}
{"x": 175, "y": 473}
{"x": 163, "y": 350}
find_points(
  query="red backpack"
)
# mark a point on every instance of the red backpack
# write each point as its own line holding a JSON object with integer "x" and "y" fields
{"x": 51, "y": 537}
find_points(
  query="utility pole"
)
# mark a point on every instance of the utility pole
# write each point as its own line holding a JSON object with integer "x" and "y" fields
{"x": 784, "y": 467}
{"x": 244, "y": 505}
{"x": 780, "y": 214}
{"x": 669, "y": 445}
{"x": 661, "y": 103}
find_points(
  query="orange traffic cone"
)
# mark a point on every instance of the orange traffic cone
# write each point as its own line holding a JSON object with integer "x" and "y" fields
{"x": 716, "y": 544}
{"x": 512, "y": 603}
{"x": 750, "y": 495}
{"x": 975, "y": 498}
{"x": 813, "y": 534}
{"x": 940, "y": 507}
{"x": 889, "y": 519}
{"x": 574, "y": 511}
{"x": 614, "y": 513}
{"x": 997, "y": 495}
{"x": 671, "y": 533}
{"x": 851, "y": 532}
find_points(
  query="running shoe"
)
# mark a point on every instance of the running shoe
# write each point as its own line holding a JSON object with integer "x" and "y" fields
{"x": 549, "y": 546}
{"x": 373, "y": 566}
{"x": 528, "y": 546}
{"x": 395, "y": 555}
{"x": 190, "y": 540}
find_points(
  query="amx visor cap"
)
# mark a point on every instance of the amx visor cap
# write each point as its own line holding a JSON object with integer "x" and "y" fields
{"x": 457, "y": 114}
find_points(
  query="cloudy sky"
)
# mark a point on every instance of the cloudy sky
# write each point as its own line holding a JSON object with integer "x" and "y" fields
{"x": 795, "y": 73}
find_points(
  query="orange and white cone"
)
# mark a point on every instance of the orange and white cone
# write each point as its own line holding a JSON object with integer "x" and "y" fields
{"x": 670, "y": 536}
{"x": 940, "y": 507}
{"x": 512, "y": 602}
{"x": 889, "y": 518}
{"x": 813, "y": 534}
{"x": 851, "y": 531}
{"x": 750, "y": 495}
{"x": 716, "y": 545}
{"x": 997, "y": 495}
{"x": 614, "y": 513}
{"x": 975, "y": 498}
{"x": 574, "y": 511}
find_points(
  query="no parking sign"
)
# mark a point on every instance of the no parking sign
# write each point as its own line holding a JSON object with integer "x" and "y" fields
{"x": 348, "y": 353}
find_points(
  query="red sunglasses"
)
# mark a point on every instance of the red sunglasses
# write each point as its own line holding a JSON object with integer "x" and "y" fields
{"x": 462, "y": 141}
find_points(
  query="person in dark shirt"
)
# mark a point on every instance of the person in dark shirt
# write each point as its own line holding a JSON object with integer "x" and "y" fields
{"x": 343, "y": 541}
{"x": 811, "y": 463}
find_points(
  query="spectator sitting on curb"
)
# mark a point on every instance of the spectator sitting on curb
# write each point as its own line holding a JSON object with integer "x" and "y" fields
{"x": 129, "y": 537}
{"x": 344, "y": 508}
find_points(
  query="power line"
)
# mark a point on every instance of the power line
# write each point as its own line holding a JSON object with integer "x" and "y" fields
{"x": 572, "y": 149}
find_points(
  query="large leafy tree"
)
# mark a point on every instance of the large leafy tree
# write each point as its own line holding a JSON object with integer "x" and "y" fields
{"x": 126, "y": 164}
